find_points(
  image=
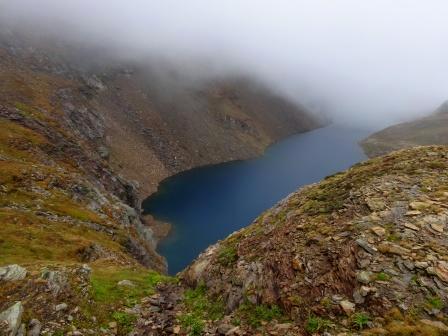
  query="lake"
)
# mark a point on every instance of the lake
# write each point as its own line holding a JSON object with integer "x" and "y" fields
{"x": 206, "y": 204}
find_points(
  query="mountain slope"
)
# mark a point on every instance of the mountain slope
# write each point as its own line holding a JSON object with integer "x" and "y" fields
{"x": 148, "y": 121}
{"x": 363, "y": 249}
{"x": 81, "y": 142}
{"x": 431, "y": 130}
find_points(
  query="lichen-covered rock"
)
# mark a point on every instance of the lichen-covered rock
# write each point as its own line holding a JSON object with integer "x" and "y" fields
{"x": 13, "y": 318}
{"x": 12, "y": 273}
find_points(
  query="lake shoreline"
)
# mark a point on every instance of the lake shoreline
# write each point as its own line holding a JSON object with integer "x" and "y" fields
{"x": 205, "y": 204}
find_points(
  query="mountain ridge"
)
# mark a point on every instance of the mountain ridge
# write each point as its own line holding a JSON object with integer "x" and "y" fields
{"x": 428, "y": 130}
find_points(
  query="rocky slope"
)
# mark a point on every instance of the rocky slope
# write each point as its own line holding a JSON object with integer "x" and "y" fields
{"x": 149, "y": 121}
{"x": 430, "y": 130}
{"x": 363, "y": 251}
{"x": 80, "y": 144}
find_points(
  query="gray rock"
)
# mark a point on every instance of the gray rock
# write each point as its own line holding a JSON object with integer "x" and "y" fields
{"x": 22, "y": 330}
{"x": 85, "y": 269}
{"x": 348, "y": 307}
{"x": 366, "y": 246}
{"x": 34, "y": 328}
{"x": 154, "y": 309}
{"x": 57, "y": 280}
{"x": 375, "y": 203}
{"x": 13, "y": 318}
{"x": 126, "y": 283}
{"x": 60, "y": 307}
{"x": 12, "y": 273}
{"x": 358, "y": 297}
{"x": 224, "y": 328}
{"x": 364, "y": 277}
{"x": 104, "y": 152}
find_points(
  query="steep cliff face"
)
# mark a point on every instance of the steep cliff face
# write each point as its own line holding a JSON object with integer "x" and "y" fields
{"x": 363, "y": 249}
{"x": 430, "y": 130}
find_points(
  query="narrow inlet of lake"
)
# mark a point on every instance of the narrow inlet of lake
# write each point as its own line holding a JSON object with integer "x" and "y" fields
{"x": 206, "y": 204}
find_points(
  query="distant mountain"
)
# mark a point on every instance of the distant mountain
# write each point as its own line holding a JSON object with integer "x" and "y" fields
{"x": 430, "y": 130}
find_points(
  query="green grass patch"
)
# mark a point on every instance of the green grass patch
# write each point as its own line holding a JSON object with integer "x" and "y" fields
{"x": 435, "y": 302}
{"x": 68, "y": 208}
{"x": 382, "y": 276}
{"x": 254, "y": 315}
{"x": 124, "y": 321}
{"x": 199, "y": 307}
{"x": 227, "y": 256}
{"x": 105, "y": 287}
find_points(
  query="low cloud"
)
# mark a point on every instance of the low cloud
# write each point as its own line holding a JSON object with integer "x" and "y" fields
{"x": 373, "y": 61}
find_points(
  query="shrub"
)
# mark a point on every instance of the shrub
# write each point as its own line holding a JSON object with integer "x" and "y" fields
{"x": 227, "y": 255}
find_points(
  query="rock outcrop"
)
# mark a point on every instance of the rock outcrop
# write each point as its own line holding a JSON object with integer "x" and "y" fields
{"x": 370, "y": 243}
{"x": 10, "y": 320}
{"x": 12, "y": 273}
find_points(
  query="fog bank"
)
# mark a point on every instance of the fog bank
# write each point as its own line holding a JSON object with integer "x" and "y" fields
{"x": 363, "y": 62}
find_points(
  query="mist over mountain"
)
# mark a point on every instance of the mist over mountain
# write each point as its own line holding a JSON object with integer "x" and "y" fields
{"x": 374, "y": 62}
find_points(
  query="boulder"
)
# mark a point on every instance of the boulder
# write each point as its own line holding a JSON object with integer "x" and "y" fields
{"x": 60, "y": 307}
{"x": 34, "y": 328}
{"x": 13, "y": 318}
{"x": 56, "y": 280}
{"x": 12, "y": 273}
{"x": 348, "y": 307}
{"x": 126, "y": 283}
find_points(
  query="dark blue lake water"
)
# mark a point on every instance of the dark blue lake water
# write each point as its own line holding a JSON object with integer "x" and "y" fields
{"x": 206, "y": 204}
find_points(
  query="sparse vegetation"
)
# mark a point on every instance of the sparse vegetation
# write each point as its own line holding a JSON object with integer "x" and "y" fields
{"x": 254, "y": 315}
{"x": 317, "y": 324}
{"x": 228, "y": 254}
{"x": 360, "y": 320}
{"x": 435, "y": 302}
{"x": 382, "y": 276}
{"x": 106, "y": 291}
{"x": 125, "y": 321}
{"x": 198, "y": 309}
